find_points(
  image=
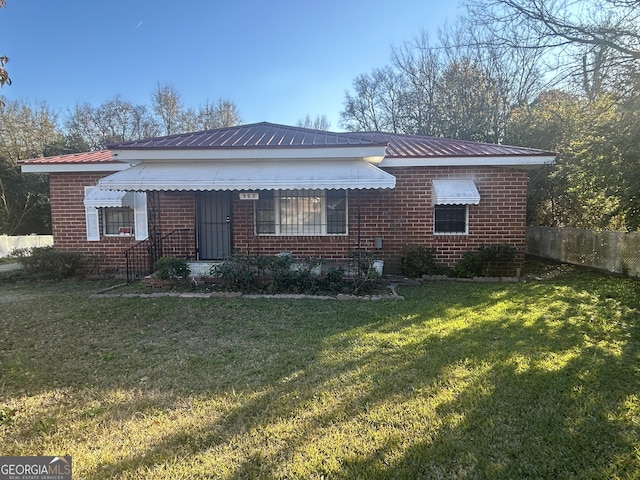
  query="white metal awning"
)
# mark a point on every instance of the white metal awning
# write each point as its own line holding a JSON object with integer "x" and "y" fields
{"x": 98, "y": 198}
{"x": 455, "y": 192}
{"x": 250, "y": 175}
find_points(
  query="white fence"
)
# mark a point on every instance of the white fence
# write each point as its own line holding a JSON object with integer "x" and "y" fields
{"x": 617, "y": 252}
{"x": 9, "y": 243}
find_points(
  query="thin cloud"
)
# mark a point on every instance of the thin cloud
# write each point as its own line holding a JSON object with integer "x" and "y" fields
{"x": 139, "y": 24}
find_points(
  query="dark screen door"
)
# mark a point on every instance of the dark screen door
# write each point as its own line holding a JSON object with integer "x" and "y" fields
{"x": 213, "y": 212}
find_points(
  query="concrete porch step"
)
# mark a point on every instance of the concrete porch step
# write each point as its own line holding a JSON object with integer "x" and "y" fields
{"x": 202, "y": 268}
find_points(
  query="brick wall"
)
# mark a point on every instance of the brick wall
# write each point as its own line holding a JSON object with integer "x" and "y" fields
{"x": 68, "y": 220}
{"x": 403, "y": 216}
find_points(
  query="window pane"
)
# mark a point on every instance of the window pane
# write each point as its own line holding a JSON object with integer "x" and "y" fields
{"x": 301, "y": 212}
{"x": 336, "y": 211}
{"x": 265, "y": 214}
{"x": 450, "y": 218}
{"x": 118, "y": 221}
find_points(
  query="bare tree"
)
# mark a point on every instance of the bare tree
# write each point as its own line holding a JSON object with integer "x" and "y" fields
{"x": 116, "y": 120}
{"x": 421, "y": 65}
{"x": 589, "y": 41}
{"x": 319, "y": 123}
{"x": 377, "y": 104}
{"x": 26, "y": 131}
{"x": 457, "y": 87}
{"x": 223, "y": 113}
{"x": 4, "y": 75}
{"x": 168, "y": 109}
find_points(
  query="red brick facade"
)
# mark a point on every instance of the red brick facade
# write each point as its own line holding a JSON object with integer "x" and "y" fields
{"x": 402, "y": 216}
{"x": 68, "y": 220}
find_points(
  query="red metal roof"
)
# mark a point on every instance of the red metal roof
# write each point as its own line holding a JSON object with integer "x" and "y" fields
{"x": 102, "y": 156}
{"x": 420, "y": 146}
{"x": 268, "y": 135}
{"x": 257, "y": 135}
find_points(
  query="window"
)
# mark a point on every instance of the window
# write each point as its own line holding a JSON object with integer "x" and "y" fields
{"x": 122, "y": 213}
{"x": 118, "y": 220}
{"x": 301, "y": 212}
{"x": 450, "y": 219}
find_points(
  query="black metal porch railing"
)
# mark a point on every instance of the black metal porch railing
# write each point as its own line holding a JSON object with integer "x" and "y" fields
{"x": 141, "y": 258}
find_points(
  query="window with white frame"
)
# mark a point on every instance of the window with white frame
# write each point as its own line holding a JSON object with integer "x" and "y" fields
{"x": 451, "y": 200}
{"x": 451, "y": 219}
{"x": 118, "y": 220}
{"x": 301, "y": 212}
{"x": 120, "y": 213}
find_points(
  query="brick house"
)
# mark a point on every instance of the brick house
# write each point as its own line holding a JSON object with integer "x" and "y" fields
{"x": 265, "y": 188}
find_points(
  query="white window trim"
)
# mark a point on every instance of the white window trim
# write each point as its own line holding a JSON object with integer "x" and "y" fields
{"x": 103, "y": 215}
{"x": 140, "y": 226}
{"x": 323, "y": 218}
{"x": 466, "y": 222}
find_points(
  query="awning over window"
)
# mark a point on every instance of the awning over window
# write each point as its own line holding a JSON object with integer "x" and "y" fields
{"x": 250, "y": 175}
{"x": 455, "y": 192}
{"x": 98, "y": 198}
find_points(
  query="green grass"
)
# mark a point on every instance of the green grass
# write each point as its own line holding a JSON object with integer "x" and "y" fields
{"x": 461, "y": 380}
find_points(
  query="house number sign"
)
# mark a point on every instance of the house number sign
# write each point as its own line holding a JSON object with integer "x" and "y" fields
{"x": 249, "y": 195}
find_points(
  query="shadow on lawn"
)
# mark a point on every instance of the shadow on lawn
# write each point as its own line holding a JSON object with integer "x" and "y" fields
{"x": 433, "y": 388}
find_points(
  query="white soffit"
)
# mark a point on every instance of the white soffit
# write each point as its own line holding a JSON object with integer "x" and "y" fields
{"x": 373, "y": 154}
{"x": 517, "y": 161}
{"x": 455, "y": 192}
{"x": 250, "y": 175}
{"x": 72, "y": 167}
{"x": 99, "y": 198}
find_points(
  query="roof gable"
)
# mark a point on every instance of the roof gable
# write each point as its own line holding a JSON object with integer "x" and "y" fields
{"x": 257, "y": 135}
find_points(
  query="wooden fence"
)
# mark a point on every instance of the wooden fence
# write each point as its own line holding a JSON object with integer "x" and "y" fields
{"x": 616, "y": 252}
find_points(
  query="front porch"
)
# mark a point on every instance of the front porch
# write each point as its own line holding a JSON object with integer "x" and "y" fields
{"x": 211, "y": 226}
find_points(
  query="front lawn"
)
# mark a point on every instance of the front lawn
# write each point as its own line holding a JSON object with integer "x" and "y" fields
{"x": 460, "y": 380}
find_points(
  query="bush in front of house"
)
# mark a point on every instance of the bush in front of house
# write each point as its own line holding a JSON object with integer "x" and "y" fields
{"x": 169, "y": 268}
{"x": 288, "y": 276}
{"x": 45, "y": 262}
{"x": 487, "y": 261}
{"x": 418, "y": 260}
{"x": 239, "y": 271}
{"x": 282, "y": 274}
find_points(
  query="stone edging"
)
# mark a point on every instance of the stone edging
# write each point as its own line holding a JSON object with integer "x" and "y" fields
{"x": 444, "y": 278}
{"x": 392, "y": 296}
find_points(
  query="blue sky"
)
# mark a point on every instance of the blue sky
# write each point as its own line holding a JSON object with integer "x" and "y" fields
{"x": 277, "y": 60}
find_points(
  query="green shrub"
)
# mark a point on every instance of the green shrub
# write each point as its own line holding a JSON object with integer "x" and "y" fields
{"x": 418, "y": 260}
{"x": 334, "y": 280}
{"x": 486, "y": 261}
{"x": 470, "y": 265}
{"x": 239, "y": 271}
{"x": 498, "y": 259}
{"x": 288, "y": 276}
{"x": 283, "y": 274}
{"x": 169, "y": 268}
{"x": 45, "y": 262}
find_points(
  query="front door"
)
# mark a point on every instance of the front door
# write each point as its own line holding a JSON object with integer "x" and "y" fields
{"x": 213, "y": 223}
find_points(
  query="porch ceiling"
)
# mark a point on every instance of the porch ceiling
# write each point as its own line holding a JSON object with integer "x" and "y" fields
{"x": 250, "y": 175}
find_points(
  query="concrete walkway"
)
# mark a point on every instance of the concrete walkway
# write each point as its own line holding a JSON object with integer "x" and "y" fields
{"x": 5, "y": 267}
